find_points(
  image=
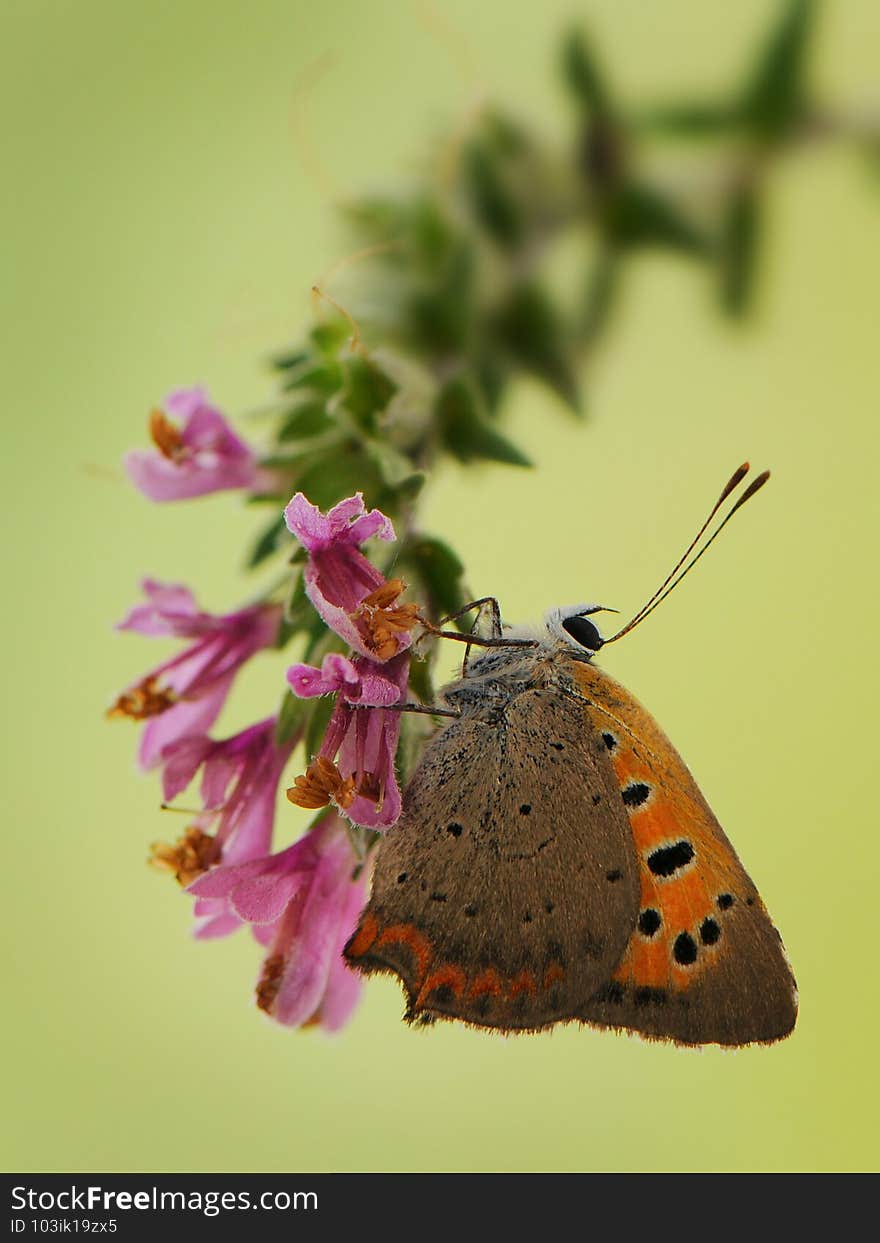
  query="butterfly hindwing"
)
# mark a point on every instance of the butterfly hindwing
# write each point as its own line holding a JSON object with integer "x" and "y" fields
{"x": 704, "y": 963}
{"x": 486, "y": 901}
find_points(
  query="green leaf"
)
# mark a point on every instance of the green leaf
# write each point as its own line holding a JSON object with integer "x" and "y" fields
{"x": 773, "y": 99}
{"x": 535, "y": 338}
{"x": 438, "y": 572}
{"x": 309, "y": 419}
{"x": 367, "y": 391}
{"x": 269, "y": 541}
{"x": 408, "y": 489}
{"x": 338, "y": 471}
{"x": 695, "y": 119}
{"x": 638, "y": 215}
{"x": 298, "y": 614}
{"x": 316, "y": 376}
{"x": 293, "y": 358}
{"x": 494, "y": 204}
{"x": 464, "y": 430}
{"x": 330, "y": 336}
{"x": 440, "y": 311}
{"x": 581, "y": 72}
{"x": 291, "y": 717}
{"x": 394, "y": 468}
{"x": 603, "y": 283}
{"x": 739, "y": 242}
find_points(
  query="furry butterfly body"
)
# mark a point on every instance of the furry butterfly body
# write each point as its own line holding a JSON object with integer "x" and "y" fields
{"x": 556, "y": 861}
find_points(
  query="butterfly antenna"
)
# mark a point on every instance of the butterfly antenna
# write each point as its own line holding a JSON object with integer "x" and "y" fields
{"x": 673, "y": 578}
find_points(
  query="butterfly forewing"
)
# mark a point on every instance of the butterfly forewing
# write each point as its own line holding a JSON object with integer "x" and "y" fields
{"x": 704, "y": 963}
{"x": 508, "y": 890}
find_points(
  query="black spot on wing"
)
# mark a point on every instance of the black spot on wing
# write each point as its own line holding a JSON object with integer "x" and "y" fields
{"x": 636, "y": 793}
{"x": 725, "y": 901}
{"x": 649, "y": 922}
{"x": 709, "y": 931}
{"x": 667, "y": 860}
{"x": 610, "y": 741}
{"x": 684, "y": 951}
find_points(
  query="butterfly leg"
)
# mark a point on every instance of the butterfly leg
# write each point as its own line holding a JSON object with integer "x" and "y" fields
{"x": 495, "y": 612}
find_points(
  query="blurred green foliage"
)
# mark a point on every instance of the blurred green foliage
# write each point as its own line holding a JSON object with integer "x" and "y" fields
{"x": 460, "y": 299}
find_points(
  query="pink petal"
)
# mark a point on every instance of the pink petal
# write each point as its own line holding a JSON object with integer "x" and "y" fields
{"x": 309, "y": 957}
{"x": 181, "y": 761}
{"x": 306, "y": 522}
{"x": 343, "y": 985}
{"x": 194, "y": 716}
{"x": 336, "y": 673}
{"x": 184, "y": 402}
{"x": 262, "y": 899}
{"x": 217, "y": 926}
{"x": 378, "y": 691}
{"x": 373, "y": 524}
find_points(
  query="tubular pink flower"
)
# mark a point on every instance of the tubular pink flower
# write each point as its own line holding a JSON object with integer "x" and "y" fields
{"x": 201, "y": 455}
{"x": 184, "y": 696}
{"x": 350, "y": 594}
{"x": 240, "y": 778}
{"x": 304, "y": 904}
{"x": 361, "y": 737}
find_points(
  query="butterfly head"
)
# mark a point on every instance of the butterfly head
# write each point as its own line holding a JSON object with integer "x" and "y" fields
{"x": 572, "y": 626}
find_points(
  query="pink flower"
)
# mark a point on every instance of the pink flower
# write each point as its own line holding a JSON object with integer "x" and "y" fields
{"x": 361, "y": 736}
{"x": 202, "y": 455}
{"x": 184, "y": 695}
{"x": 304, "y": 903}
{"x": 351, "y": 595}
{"x": 240, "y": 778}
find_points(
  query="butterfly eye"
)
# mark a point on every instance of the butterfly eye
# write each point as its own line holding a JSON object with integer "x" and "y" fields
{"x": 584, "y": 632}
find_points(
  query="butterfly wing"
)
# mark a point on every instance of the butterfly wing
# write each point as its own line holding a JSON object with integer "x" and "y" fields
{"x": 704, "y": 963}
{"x": 508, "y": 890}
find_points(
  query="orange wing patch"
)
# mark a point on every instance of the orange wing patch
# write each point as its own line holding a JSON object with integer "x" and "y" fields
{"x": 424, "y": 975}
{"x": 687, "y": 867}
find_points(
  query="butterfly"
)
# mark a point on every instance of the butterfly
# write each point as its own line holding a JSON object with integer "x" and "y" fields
{"x": 555, "y": 860}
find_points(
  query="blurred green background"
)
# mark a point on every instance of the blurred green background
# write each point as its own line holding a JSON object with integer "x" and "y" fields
{"x": 162, "y": 227}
